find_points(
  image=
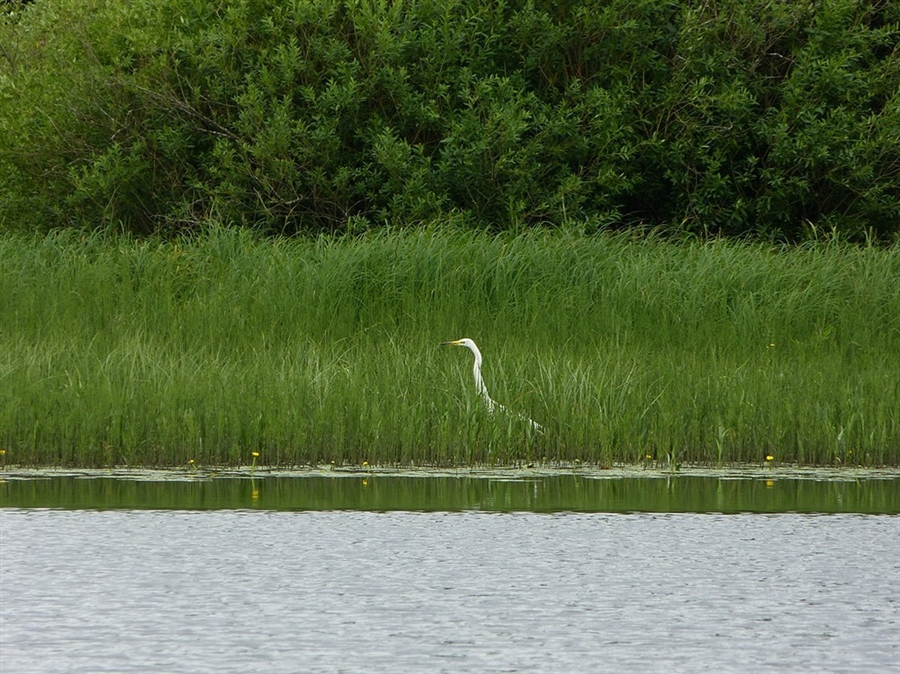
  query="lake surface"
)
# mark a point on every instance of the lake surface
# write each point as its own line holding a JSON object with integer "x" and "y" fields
{"x": 113, "y": 575}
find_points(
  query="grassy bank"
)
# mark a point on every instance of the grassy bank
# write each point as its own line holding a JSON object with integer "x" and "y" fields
{"x": 123, "y": 352}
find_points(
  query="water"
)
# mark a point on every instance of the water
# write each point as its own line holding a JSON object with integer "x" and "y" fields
{"x": 603, "y": 491}
{"x": 101, "y": 589}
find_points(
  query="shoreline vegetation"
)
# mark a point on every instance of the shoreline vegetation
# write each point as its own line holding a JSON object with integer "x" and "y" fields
{"x": 293, "y": 204}
{"x": 202, "y": 350}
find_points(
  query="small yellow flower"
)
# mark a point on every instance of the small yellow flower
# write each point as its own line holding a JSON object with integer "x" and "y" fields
{"x": 365, "y": 463}
{"x": 769, "y": 457}
{"x": 648, "y": 456}
{"x": 191, "y": 461}
{"x": 2, "y": 452}
{"x": 254, "y": 454}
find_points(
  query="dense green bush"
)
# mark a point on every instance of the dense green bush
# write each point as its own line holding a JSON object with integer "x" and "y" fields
{"x": 734, "y": 116}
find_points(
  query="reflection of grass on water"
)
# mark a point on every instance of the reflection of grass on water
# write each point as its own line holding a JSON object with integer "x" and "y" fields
{"x": 638, "y": 351}
{"x": 431, "y": 491}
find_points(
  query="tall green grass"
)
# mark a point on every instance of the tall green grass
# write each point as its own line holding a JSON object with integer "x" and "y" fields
{"x": 144, "y": 352}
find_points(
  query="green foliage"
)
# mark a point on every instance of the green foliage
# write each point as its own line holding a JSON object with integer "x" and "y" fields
{"x": 334, "y": 115}
{"x": 150, "y": 352}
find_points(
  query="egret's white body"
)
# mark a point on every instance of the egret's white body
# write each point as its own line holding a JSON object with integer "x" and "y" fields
{"x": 492, "y": 405}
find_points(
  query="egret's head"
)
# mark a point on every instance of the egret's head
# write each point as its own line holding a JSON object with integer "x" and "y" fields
{"x": 466, "y": 342}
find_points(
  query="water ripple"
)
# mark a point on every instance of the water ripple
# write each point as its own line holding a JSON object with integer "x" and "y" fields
{"x": 240, "y": 591}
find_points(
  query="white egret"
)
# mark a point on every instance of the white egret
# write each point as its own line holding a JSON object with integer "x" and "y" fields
{"x": 492, "y": 405}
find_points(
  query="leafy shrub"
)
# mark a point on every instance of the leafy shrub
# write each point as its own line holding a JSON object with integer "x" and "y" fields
{"x": 326, "y": 115}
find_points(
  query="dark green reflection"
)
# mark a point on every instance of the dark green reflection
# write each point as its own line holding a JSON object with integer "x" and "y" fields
{"x": 380, "y": 493}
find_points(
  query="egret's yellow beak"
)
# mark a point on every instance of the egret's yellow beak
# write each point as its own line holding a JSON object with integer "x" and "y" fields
{"x": 453, "y": 343}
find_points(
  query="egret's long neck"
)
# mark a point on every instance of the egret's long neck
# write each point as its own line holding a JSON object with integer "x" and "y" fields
{"x": 479, "y": 381}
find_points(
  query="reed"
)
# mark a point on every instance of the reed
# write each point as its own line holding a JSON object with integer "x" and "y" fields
{"x": 117, "y": 351}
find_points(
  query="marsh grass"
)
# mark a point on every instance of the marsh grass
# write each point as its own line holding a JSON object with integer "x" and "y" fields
{"x": 143, "y": 352}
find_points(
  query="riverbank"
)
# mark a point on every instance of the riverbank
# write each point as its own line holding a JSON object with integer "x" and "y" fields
{"x": 618, "y": 472}
{"x": 228, "y": 349}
